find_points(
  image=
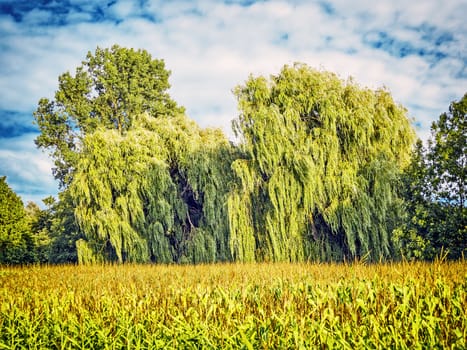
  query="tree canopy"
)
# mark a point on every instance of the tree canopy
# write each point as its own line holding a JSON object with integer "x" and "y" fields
{"x": 156, "y": 193}
{"x": 16, "y": 241}
{"x": 111, "y": 89}
{"x": 434, "y": 190}
{"x": 321, "y": 158}
{"x": 142, "y": 181}
{"x": 447, "y": 155}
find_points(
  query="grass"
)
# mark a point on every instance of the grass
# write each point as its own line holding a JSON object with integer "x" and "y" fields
{"x": 238, "y": 306}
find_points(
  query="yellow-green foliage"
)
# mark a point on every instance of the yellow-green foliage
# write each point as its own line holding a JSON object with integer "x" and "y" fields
{"x": 318, "y": 175}
{"x": 156, "y": 192}
{"x": 235, "y": 306}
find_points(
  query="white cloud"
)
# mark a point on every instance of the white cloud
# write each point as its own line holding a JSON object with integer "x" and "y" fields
{"x": 28, "y": 170}
{"x": 124, "y": 8}
{"x": 38, "y": 17}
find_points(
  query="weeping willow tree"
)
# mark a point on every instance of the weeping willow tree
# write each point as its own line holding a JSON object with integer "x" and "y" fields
{"x": 156, "y": 193}
{"x": 320, "y": 163}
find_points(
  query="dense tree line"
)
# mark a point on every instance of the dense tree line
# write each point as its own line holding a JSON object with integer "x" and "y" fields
{"x": 322, "y": 170}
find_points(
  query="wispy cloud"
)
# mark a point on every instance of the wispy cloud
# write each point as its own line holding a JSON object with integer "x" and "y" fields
{"x": 27, "y": 169}
{"x": 416, "y": 49}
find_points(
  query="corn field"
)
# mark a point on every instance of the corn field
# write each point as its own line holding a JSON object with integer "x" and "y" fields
{"x": 235, "y": 306}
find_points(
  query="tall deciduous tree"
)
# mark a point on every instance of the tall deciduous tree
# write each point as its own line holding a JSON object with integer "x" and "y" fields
{"x": 434, "y": 189}
{"x": 109, "y": 90}
{"x": 320, "y": 162}
{"x": 447, "y": 155}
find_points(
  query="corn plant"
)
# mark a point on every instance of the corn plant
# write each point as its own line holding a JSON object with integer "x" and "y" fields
{"x": 235, "y": 306}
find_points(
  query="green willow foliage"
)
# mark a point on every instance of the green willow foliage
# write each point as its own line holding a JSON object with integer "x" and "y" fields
{"x": 155, "y": 193}
{"x": 319, "y": 168}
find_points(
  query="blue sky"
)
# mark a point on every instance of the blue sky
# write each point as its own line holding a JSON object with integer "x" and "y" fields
{"x": 417, "y": 49}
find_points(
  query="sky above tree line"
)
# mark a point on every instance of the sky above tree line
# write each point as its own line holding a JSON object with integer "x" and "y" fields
{"x": 416, "y": 49}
